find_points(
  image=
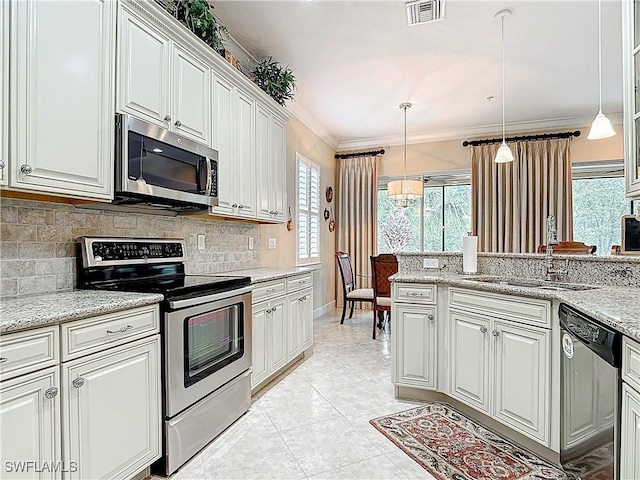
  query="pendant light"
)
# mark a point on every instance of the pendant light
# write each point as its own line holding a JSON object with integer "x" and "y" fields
{"x": 504, "y": 154}
{"x": 601, "y": 126}
{"x": 403, "y": 191}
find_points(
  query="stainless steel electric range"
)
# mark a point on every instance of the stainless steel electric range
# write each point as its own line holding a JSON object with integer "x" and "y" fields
{"x": 205, "y": 331}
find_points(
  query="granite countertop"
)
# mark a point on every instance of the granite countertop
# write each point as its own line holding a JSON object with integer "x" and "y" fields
{"x": 265, "y": 274}
{"x": 616, "y": 307}
{"x": 22, "y": 313}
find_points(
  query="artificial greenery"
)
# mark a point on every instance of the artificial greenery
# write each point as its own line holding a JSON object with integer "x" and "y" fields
{"x": 198, "y": 16}
{"x": 276, "y": 80}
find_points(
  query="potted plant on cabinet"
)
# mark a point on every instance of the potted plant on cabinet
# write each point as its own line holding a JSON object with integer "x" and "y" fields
{"x": 197, "y": 16}
{"x": 277, "y": 81}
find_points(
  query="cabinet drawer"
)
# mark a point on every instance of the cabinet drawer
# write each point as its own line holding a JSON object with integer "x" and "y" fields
{"x": 94, "y": 334}
{"x": 265, "y": 291}
{"x": 298, "y": 282}
{"x": 631, "y": 362}
{"x": 415, "y": 293}
{"x": 521, "y": 309}
{"x": 28, "y": 351}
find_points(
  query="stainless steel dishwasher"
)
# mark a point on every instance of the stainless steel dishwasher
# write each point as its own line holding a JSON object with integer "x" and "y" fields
{"x": 589, "y": 396}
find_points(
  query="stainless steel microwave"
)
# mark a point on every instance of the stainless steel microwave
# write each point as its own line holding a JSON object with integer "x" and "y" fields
{"x": 158, "y": 168}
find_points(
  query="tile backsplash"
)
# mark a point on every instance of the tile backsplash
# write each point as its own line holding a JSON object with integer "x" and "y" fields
{"x": 37, "y": 242}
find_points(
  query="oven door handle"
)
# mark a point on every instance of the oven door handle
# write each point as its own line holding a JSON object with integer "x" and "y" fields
{"x": 190, "y": 302}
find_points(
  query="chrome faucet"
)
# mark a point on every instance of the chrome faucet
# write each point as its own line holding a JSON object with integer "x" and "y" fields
{"x": 552, "y": 239}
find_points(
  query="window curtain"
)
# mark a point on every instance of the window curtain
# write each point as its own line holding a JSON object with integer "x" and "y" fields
{"x": 511, "y": 201}
{"x": 356, "y": 216}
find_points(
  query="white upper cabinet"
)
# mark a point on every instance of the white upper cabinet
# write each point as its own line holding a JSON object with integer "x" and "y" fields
{"x": 4, "y": 91}
{"x": 191, "y": 97}
{"x": 143, "y": 73}
{"x": 223, "y": 117}
{"x": 245, "y": 154}
{"x": 271, "y": 164}
{"x": 62, "y": 71}
{"x": 631, "y": 79}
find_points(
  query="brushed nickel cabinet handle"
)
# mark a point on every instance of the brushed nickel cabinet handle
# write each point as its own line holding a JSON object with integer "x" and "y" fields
{"x": 495, "y": 333}
{"x": 430, "y": 317}
{"x": 241, "y": 206}
{"x": 121, "y": 330}
{"x": 78, "y": 382}
{"x": 2, "y": 164}
{"x": 178, "y": 123}
{"x": 483, "y": 329}
{"x": 3, "y": 359}
{"x": 167, "y": 118}
{"x": 51, "y": 392}
{"x": 26, "y": 169}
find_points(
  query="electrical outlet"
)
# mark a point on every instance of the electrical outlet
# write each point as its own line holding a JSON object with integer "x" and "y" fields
{"x": 272, "y": 243}
{"x": 431, "y": 263}
{"x": 250, "y": 243}
{"x": 201, "y": 241}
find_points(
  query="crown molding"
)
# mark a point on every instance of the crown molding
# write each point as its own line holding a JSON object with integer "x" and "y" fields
{"x": 492, "y": 130}
{"x": 312, "y": 124}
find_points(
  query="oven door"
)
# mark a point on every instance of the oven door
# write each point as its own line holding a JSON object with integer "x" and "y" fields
{"x": 206, "y": 346}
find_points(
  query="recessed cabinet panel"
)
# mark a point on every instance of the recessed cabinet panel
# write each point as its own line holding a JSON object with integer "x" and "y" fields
{"x": 277, "y": 165}
{"x": 143, "y": 70}
{"x": 278, "y": 339}
{"x": 416, "y": 337}
{"x": 294, "y": 343}
{"x": 223, "y": 119}
{"x": 522, "y": 401}
{"x": 62, "y": 112}
{"x": 259, "y": 337}
{"x": 469, "y": 381}
{"x": 630, "y": 437}
{"x": 191, "y": 110}
{"x": 30, "y": 419}
{"x": 4, "y": 91}
{"x": 245, "y": 155}
{"x": 306, "y": 319}
{"x": 263, "y": 153}
{"x": 631, "y": 80}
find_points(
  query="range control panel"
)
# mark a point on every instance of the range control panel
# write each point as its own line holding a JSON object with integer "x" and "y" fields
{"x": 98, "y": 251}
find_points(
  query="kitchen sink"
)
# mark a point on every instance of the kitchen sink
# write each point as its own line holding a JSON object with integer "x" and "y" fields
{"x": 537, "y": 284}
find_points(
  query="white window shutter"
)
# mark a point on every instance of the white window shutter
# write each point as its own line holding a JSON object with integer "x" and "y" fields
{"x": 308, "y": 197}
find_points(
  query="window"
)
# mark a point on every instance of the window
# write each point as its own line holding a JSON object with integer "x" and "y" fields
{"x": 598, "y": 204}
{"x": 308, "y": 189}
{"x": 435, "y": 223}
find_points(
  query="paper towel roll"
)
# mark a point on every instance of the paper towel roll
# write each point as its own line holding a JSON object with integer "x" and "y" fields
{"x": 469, "y": 254}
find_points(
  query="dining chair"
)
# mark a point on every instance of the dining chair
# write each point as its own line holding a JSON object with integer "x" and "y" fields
{"x": 382, "y": 267}
{"x": 350, "y": 293}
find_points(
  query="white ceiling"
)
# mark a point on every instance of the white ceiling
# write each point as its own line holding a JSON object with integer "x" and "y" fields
{"x": 356, "y": 61}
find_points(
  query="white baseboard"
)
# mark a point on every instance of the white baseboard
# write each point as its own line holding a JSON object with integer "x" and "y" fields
{"x": 318, "y": 312}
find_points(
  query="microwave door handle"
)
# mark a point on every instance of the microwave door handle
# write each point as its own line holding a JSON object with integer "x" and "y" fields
{"x": 209, "y": 173}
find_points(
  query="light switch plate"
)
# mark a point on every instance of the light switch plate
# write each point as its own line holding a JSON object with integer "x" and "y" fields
{"x": 250, "y": 243}
{"x": 201, "y": 241}
{"x": 431, "y": 263}
{"x": 272, "y": 243}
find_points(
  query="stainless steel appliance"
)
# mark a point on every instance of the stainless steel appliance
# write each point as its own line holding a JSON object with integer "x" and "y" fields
{"x": 205, "y": 331}
{"x": 589, "y": 395}
{"x": 156, "y": 167}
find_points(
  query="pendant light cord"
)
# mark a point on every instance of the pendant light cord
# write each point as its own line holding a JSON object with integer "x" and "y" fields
{"x": 405, "y": 142}
{"x": 600, "y": 53}
{"x": 502, "y": 41}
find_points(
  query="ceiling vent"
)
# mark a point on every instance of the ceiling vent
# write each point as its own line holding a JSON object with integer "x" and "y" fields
{"x": 424, "y": 11}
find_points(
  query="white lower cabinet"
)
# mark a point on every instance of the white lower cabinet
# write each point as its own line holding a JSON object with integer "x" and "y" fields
{"x": 269, "y": 339}
{"x": 111, "y": 410}
{"x": 415, "y": 343}
{"x": 630, "y": 434}
{"x": 30, "y": 437}
{"x": 300, "y": 316}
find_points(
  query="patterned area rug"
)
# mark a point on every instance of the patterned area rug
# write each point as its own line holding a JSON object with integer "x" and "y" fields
{"x": 451, "y": 446}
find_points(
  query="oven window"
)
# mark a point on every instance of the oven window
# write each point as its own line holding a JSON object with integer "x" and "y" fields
{"x": 212, "y": 341}
{"x": 163, "y": 165}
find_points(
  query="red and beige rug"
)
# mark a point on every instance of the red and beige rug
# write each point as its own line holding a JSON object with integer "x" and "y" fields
{"x": 451, "y": 446}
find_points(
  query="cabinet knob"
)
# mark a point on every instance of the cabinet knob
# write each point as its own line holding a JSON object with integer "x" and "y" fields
{"x": 1, "y": 164}
{"x": 234, "y": 205}
{"x": 430, "y": 317}
{"x": 26, "y": 169}
{"x": 495, "y": 333}
{"x": 178, "y": 123}
{"x": 167, "y": 118}
{"x": 3, "y": 359}
{"x": 78, "y": 382}
{"x": 120, "y": 330}
{"x": 483, "y": 329}
{"x": 51, "y": 392}
{"x": 241, "y": 206}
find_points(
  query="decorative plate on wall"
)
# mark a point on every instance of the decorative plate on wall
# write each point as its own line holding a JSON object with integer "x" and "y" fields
{"x": 329, "y": 194}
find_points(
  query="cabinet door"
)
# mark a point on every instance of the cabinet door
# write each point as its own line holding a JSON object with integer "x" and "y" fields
{"x": 631, "y": 81}
{"x": 630, "y": 436}
{"x": 522, "y": 379}
{"x": 306, "y": 316}
{"x": 31, "y": 425}
{"x": 245, "y": 155}
{"x": 4, "y": 91}
{"x": 294, "y": 335}
{"x": 223, "y": 118}
{"x": 469, "y": 361}
{"x": 191, "y": 97}
{"x": 259, "y": 344}
{"x": 580, "y": 391}
{"x": 62, "y": 107}
{"x": 416, "y": 346}
{"x": 277, "y": 167}
{"x": 278, "y": 331}
{"x": 111, "y": 410}
{"x": 144, "y": 70}
{"x": 263, "y": 149}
